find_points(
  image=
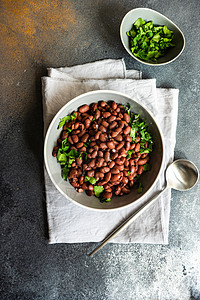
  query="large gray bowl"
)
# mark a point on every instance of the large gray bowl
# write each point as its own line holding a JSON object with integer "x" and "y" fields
{"x": 53, "y": 167}
{"x": 158, "y": 19}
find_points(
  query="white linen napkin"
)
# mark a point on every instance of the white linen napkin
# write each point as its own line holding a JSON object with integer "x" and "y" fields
{"x": 70, "y": 223}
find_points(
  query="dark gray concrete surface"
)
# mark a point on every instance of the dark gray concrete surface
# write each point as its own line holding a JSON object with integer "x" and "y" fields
{"x": 40, "y": 34}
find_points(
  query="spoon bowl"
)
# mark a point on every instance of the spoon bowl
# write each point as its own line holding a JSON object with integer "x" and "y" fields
{"x": 181, "y": 175}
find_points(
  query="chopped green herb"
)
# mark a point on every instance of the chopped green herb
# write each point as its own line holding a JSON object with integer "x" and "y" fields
{"x": 140, "y": 188}
{"x": 148, "y": 41}
{"x": 98, "y": 190}
{"x": 65, "y": 119}
{"x": 92, "y": 180}
{"x": 147, "y": 167}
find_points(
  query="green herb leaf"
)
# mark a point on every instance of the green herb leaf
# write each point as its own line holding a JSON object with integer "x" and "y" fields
{"x": 148, "y": 42}
{"x": 65, "y": 119}
{"x": 92, "y": 180}
{"x": 98, "y": 190}
{"x": 147, "y": 167}
{"x": 140, "y": 188}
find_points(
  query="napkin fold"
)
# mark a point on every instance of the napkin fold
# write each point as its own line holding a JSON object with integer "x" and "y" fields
{"x": 70, "y": 223}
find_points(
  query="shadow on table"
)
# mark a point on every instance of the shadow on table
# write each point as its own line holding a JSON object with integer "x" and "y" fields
{"x": 34, "y": 139}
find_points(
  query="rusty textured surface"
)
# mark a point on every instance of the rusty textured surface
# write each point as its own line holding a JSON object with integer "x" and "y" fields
{"x": 51, "y": 33}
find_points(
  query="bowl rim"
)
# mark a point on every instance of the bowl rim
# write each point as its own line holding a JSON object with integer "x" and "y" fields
{"x": 49, "y": 131}
{"x": 141, "y": 61}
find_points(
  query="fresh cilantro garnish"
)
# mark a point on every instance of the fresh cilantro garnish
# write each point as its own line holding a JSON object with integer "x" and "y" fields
{"x": 148, "y": 41}
{"x": 129, "y": 153}
{"x": 98, "y": 189}
{"x": 65, "y": 119}
{"x": 66, "y": 159}
{"x": 103, "y": 199}
{"x": 140, "y": 188}
{"x": 147, "y": 167}
{"x": 92, "y": 180}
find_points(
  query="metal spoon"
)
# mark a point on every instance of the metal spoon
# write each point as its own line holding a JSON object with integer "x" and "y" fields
{"x": 181, "y": 175}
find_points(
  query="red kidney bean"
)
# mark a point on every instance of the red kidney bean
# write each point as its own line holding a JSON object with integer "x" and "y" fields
{"x": 132, "y": 146}
{"x": 132, "y": 169}
{"x": 117, "y": 190}
{"x": 106, "y": 114}
{"x": 114, "y": 155}
{"x": 81, "y": 179}
{"x": 87, "y": 123}
{"x": 89, "y": 193}
{"x": 103, "y": 137}
{"x": 120, "y": 161}
{"x": 74, "y": 184}
{"x": 93, "y": 106}
{"x": 82, "y": 149}
{"x": 113, "y": 125}
{"x": 144, "y": 155}
{"x": 128, "y": 138}
{"x": 107, "y": 195}
{"x": 94, "y": 154}
{"x": 120, "y": 145}
{"x": 131, "y": 183}
{"x": 121, "y": 123}
{"x": 115, "y": 170}
{"x": 103, "y": 146}
{"x": 97, "y": 114}
{"x": 137, "y": 139}
{"x": 100, "y": 153}
{"x": 119, "y": 138}
{"x": 99, "y": 162}
{"x": 114, "y": 134}
{"x": 107, "y": 176}
{"x": 114, "y": 105}
{"x": 126, "y": 163}
{"x": 137, "y": 147}
{"x": 142, "y": 161}
{"x": 131, "y": 162}
{"x": 103, "y": 103}
{"x": 125, "y": 190}
{"x": 126, "y": 117}
{"x": 90, "y": 187}
{"x": 115, "y": 177}
{"x": 120, "y": 167}
{"x": 110, "y": 145}
{"x": 79, "y": 145}
{"x": 79, "y": 161}
{"x": 102, "y": 128}
{"x": 84, "y": 108}
{"x": 103, "y": 182}
{"x": 81, "y": 133}
{"x": 107, "y": 156}
{"x": 64, "y": 135}
{"x": 111, "y": 119}
{"x": 127, "y": 130}
{"x": 125, "y": 180}
{"x": 75, "y": 138}
{"x": 73, "y": 173}
{"x": 111, "y": 164}
{"x": 140, "y": 170}
{"x": 127, "y": 146}
{"x": 97, "y": 135}
{"x": 104, "y": 170}
{"x": 84, "y": 138}
{"x": 70, "y": 140}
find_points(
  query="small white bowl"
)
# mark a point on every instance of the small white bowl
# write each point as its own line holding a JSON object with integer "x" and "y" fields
{"x": 148, "y": 179}
{"x": 158, "y": 19}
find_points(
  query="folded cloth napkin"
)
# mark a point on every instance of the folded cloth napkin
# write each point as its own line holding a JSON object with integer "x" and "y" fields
{"x": 70, "y": 223}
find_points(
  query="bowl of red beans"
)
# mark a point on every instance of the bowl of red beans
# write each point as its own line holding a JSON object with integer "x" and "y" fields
{"x": 103, "y": 150}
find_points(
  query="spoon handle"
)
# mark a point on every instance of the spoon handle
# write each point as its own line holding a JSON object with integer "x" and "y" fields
{"x": 128, "y": 221}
